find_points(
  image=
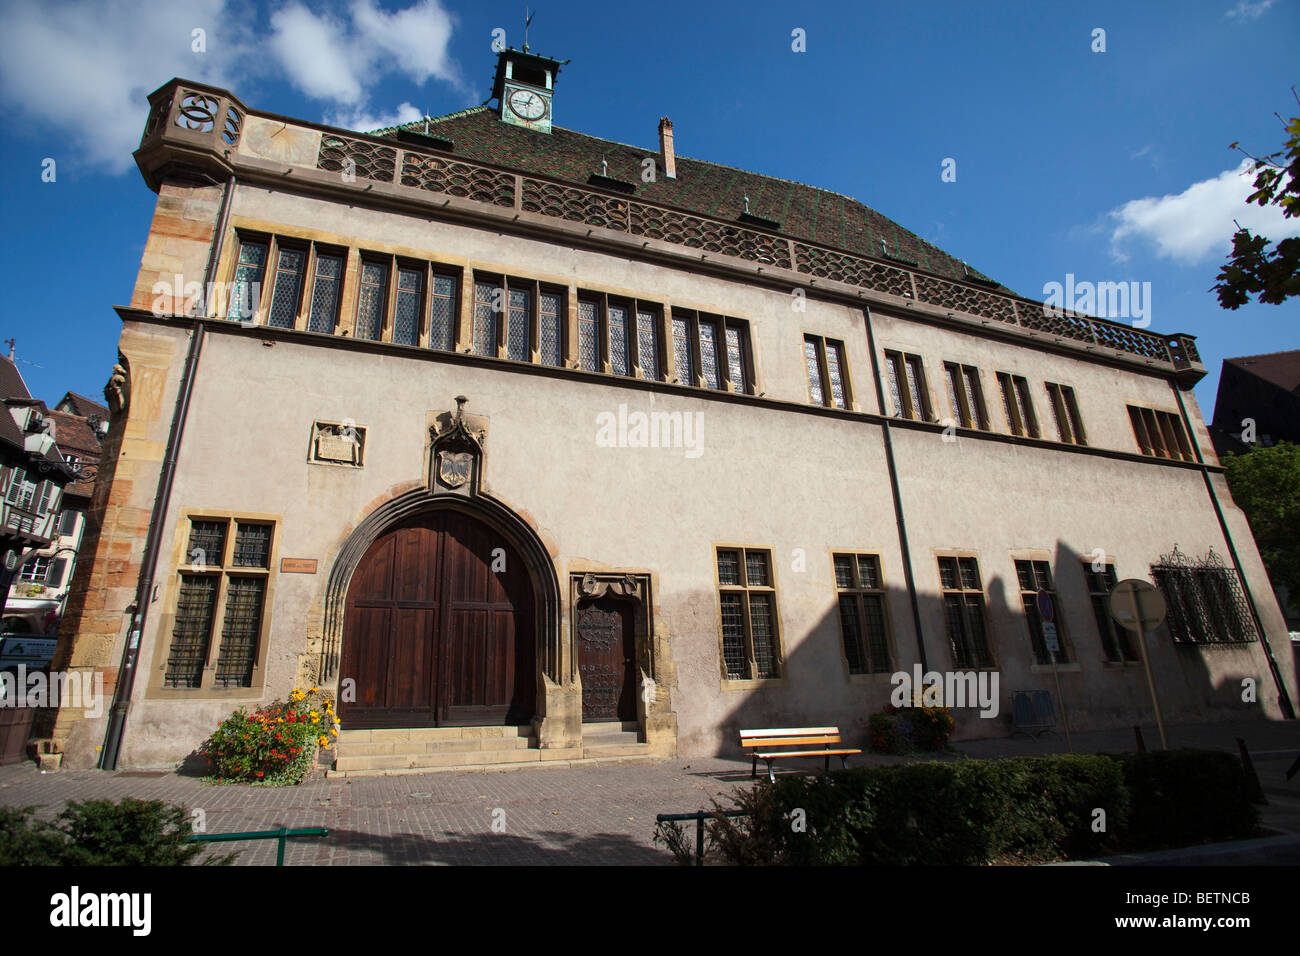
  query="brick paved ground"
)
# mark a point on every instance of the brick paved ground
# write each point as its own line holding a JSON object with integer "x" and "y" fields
{"x": 590, "y": 815}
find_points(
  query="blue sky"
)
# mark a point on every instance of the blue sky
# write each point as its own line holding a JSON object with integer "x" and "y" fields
{"x": 1110, "y": 166}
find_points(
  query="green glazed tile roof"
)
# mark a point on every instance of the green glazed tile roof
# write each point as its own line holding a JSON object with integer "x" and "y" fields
{"x": 704, "y": 188}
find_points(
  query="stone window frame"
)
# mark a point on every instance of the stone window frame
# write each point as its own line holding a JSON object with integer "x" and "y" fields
{"x": 1018, "y": 405}
{"x": 1160, "y": 433}
{"x": 535, "y": 288}
{"x": 823, "y": 347}
{"x": 1065, "y": 410}
{"x": 857, "y": 590}
{"x": 779, "y": 674}
{"x": 966, "y": 594}
{"x": 726, "y": 383}
{"x": 966, "y": 396}
{"x": 208, "y": 689}
{"x": 1036, "y": 561}
{"x": 899, "y": 386}
{"x": 634, "y": 306}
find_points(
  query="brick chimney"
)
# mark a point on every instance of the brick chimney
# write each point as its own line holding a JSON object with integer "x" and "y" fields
{"x": 666, "y": 147}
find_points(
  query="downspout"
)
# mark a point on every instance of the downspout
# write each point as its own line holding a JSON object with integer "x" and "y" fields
{"x": 144, "y": 588}
{"x": 893, "y": 487}
{"x": 1283, "y": 697}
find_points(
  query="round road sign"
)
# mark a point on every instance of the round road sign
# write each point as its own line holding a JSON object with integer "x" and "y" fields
{"x": 1137, "y": 605}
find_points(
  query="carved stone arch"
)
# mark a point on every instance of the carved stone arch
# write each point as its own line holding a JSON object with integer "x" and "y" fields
{"x": 485, "y": 508}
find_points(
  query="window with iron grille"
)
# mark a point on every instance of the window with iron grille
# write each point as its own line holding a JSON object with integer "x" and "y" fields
{"x": 1017, "y": 405}
{"x": 747, "y": 597}
{"x": 905, "y": 375}
{"x": 863, "y": 625}
{"x": 1204, "y": 600}
{"x": 828, "y": 383}
{"x": 1116, "y": 641}
{"x": 225, "y": 574}
{"x": 1035, "y": 576}
{"x": 711, "y": 350}
{"x": 1160, "y": 434}
{"x": 965, "y": 396}
{"x": 1066, "y": 413}
{"x": 963, "y": 601}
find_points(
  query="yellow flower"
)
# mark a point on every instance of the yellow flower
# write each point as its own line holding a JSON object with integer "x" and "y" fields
{"x": 334, "y": 731}
{"x": 312, "y": 691}
{"x": 323, "y": 740}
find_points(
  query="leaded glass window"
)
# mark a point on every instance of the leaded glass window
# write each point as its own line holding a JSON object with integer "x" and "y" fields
{"x": 834, "y": 367}
{"x": 518, "y": 325}
{"x": 246, "y": 290}
{"x": 325, "y": 293}
{"x": 709, "y": 354}
{"x": 550, "y": 338}
{"x": 371, "y": 301}
{"x": 814, "y": 365}
{"x": 488, "y": 299}
{"x": 862, "y": 613}
{"x": 618, "y": 330}
{"x": 647, "y": 344}
{"x": 406, "y": 317}
{"x": 963, "y": 597}
{"x": 750, "y": 639}
{"x": 683, "y": 352}
{"x": 735, "y": 359}
{"x": 291, "y": 265}
{"x": 588, "y": 336}
{"x": 442, "y": 310}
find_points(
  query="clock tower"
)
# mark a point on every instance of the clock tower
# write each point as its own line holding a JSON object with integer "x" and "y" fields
{"x": 525, "y": 88}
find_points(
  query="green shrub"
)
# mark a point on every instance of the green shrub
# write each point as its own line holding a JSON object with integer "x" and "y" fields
{"x": 1021, "y": 810}
{"x": 102, "y": 833}
{"x": 274, "y": 746}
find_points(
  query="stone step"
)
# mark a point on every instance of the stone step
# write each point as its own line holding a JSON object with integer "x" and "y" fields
{"x": 361, "y": 748}
{"x": 426, "y": 734}
{"x": 470, "y": 759}
{"x": 608, "y": 727}
{"x": 558, "y": 759}
{"x": 624, "y": 749}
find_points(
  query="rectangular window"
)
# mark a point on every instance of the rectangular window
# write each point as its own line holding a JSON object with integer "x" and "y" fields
{"x": 286, "y": 296}
{"x": 35, "y": 570}
{"x": 372, "y": 300}
{"x": 863, "y": 628}
{"x": 488, "y": 301}
{"x": 827, "y": 383}
{"x": 1035, "y": 576}
{"x": 1018, "y": 405}
{"x": 906, "y": 374}
{"x": 551, "y": 326}
{"x": 246, "y": 291}
{"x": 518, "y": 323}
{"x": 647, "y": 342}
{"x": 68, "y": 523}
{"x": 225, "y": 574}
{"x": 1160, "y": 434}
{"x": 1066, "y": 413}
{"x": 442, "y": 312}
{"x": 528, "y": 316}
{"x": 327, "y": 286}
{"x": 1115, "y": 640}
{"x": 712, "y": 350}
{"x": 747, "y": 598}
{"x": 965, "y": 397}
{"x": 408, "y": 308}
{"x": 963, "y": 599}
{"x": 622, "y": 336}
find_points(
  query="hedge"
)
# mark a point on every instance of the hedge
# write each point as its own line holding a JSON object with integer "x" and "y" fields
{"x": 1021, "y": 810}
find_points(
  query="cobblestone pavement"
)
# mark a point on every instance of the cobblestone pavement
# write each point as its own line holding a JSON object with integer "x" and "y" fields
{"x": 590, "y": 815}
{"x": 552, "y": 816}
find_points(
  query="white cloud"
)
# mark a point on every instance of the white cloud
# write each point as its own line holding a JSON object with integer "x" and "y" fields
{"x": 364, "y": 121}
{"x": 1197, "y": 223}
{"x": 83, "y": 70}
{"x": 1246, "y": 10}
{"x": 79, "y": 72}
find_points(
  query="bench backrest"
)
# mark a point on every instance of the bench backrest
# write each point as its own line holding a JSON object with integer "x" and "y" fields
{"x": 789, "y": 736}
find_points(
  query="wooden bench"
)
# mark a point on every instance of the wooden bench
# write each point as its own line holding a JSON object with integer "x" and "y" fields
{"x": 759, "y": 743}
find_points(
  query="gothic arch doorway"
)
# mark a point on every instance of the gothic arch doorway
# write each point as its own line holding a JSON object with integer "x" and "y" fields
{"x": 439, "y": 627}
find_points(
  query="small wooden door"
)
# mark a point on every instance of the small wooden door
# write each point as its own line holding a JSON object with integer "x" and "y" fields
{"x": 607, "y": 660}
{"x": 438, "y": 628}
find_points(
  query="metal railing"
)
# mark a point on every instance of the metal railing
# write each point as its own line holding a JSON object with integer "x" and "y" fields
{"x": 699, "y": 817}
{"x": 281, "y": 834}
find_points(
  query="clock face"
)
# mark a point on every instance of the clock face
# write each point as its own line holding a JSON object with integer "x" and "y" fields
{"x": 527, "y": 105}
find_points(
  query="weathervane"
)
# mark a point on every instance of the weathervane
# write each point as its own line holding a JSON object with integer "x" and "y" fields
{"x": 528, "y": 18}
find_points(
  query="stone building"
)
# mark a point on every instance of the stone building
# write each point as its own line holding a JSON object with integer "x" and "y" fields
{"x": 538, "y": 446}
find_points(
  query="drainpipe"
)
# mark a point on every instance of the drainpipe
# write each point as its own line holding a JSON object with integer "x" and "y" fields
{"x": 1283, "y": 697}
{"x": 144, "y": 588}
{"x": 893, "y": 487}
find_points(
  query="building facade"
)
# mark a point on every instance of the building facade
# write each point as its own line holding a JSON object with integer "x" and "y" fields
{"x": 511, "y": 435}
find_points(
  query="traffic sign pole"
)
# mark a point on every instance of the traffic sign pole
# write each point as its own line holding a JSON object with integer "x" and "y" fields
{"x": 1135, "y": 600}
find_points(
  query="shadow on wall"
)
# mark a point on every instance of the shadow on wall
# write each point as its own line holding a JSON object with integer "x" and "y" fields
{"x": 1194, "y": 682}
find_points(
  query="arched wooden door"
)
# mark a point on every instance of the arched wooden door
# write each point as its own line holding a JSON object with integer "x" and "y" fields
{"x": 438, "y": 628}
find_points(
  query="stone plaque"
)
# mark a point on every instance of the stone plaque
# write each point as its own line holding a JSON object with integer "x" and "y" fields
{"x": 298, "y": 565}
